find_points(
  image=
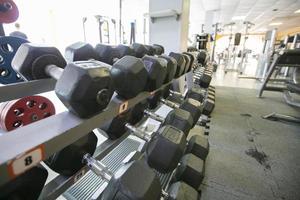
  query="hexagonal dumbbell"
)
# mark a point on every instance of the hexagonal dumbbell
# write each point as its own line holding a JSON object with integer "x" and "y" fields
{"x": 84, "y": 87}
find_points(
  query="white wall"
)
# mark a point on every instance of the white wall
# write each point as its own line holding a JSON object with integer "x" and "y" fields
{"x": 59, "y": 22}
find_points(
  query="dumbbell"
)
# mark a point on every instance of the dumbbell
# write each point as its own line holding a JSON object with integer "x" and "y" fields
{"x": 190, "y": 170}
{"x": 17, "y": 113}
{"x": 156, "y": 71}
{"x": 27, "y": 186}
{"x": 197, "y": 93}
{"x": 179, "y": 118}
{"x": 141, "y": 49}
{"x": 159, "y": 49}
{"x": 83, "y": 87}
{"x": 133, "y": 179}
{"x": 164, "y": 148}
{"x": 109, "y": 54}
{"x": 202, "y": 57}
{"x": 179, "y": 189}
{"x": 115, "y": 127}
{"x": 82, "y": 51}
{"x": 204, "y": 80}
{"x": 132, "y": 74}
{"x": 129, "y": 76}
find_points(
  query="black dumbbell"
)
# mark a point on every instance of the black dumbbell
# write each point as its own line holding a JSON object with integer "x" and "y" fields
{"x": 133, "y": 180}
{"x": 159, "y": 49}
{"x": 109, "y": 54}
{"x": 190, "y": 171}
{"x": 179, "y": 118}
{"x": 84, "y": 87}
{"x": 126, "y": 180}
{"x": 181, "y": 63}
{"x": 80, "y": 51}
{"x": 199, "y": 94}
{"x": 27, "y": 186}
{"x": 164, "y": 148}
{"x": 157, "y": 68}
{"x": 128, "y": 74}
{"x": 139, "y": 49}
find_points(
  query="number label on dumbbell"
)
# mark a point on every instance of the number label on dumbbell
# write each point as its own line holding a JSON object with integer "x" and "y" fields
{"x": 123, "y": 107}
{"x": 26, "y": 161}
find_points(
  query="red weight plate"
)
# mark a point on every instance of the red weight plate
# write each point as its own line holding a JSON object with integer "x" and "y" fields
{"x": 17, "y": 113}
{"x": 8, "y": 11}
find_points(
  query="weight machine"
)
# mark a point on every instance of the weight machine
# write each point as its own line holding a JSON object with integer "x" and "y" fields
{"x": 230, "y": 54}
{"x": 103, "y": 28}
{"x": 244, "y": 55}
{"x": 267, "y": 53}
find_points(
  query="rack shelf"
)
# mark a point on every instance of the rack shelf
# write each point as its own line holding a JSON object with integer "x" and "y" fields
{"x": 43, "y": 138}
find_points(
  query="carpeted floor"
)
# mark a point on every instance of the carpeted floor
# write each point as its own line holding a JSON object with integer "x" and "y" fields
{"x": 250, "y": 157}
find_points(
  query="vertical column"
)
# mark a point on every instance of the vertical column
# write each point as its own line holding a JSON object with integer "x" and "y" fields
{"x": 170, "y": 32}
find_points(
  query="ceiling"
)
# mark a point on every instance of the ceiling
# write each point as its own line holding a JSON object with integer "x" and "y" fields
{"x": 259, "y": 12}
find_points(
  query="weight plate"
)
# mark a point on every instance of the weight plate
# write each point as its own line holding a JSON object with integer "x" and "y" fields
{"x": 17, "y": 113}
{"x": 8, "y": 11}
{"x": 8, "y": 48}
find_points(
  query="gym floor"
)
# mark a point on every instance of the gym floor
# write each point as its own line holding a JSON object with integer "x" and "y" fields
{"x": 250, "y": 157}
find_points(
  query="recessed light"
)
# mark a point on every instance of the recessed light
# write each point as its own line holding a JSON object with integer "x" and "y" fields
{"x": 238, "y": 17}
{"x": 262, "y": 30}
{"x": 275, "y": 23}
{"x": 297, "y": 11}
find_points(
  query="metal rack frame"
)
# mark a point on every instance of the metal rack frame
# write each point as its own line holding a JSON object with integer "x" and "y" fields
{"x": 43, "y": 138}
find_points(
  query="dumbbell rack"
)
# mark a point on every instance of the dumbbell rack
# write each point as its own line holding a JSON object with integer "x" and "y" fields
{"x": 90, "y": 186}
{"x": 45, "y": 137}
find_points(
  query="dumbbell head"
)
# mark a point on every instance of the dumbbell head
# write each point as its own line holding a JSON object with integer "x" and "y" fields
{"x": 165, "y": 149}
{"x": 134, "y": 180}
{"x": 129, "y": 76}
{"x": 180, "y": 63}
{"x": 208, "y": 106}
{"x": 157, "y": 71}
{"x": 187, "y": 63}
{"x": 181, "y": 190}
{"x": 153, "y": 101}
{"x": 190, "y": 171}
{"x": 106, "y": 53}
{"x": 205, "y": 80}
{"x": 139, "y": 49}
{"x": 31, "y": 60}
{"x": 28, "y": 185}
{"x": 201, "y": 58}
{"x": 159, "y": 50}
{"x": 171, "y": 67}
{"x": 195, "y": 93}
{"x": 115, "y": 127}
{"x": 193, "y": 107}
{"x": 150, "y": 50}
{"x": 198, "y": 146}
{"x": 192, "y": 60}
{"x": 180, "y": 119}
{"x": 85, "y": 87}
{"x": 109, "y": 54}
{"x": 69, "y": 160}
{"x": 124, "y": 50}
{"x": 137, "y": 112}
{"x": 80, "y": 51}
